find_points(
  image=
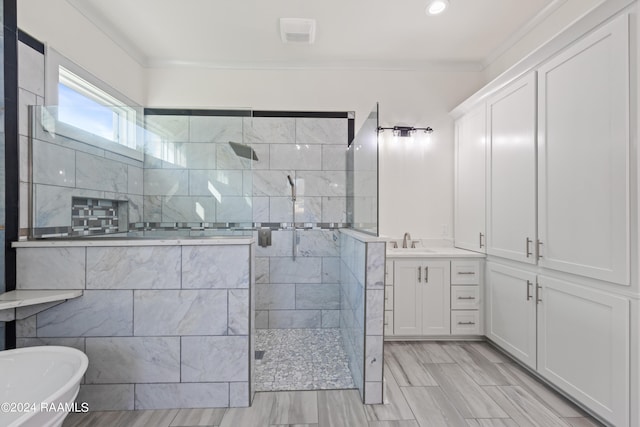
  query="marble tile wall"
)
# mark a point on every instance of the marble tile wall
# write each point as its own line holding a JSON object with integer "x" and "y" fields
{"x": 63, "y": 168}
{"x": 191, "y": 173}
{"x": 361, "y": 311}
{"x": 289, "y": 294}
{"x": 300, "y": 293}
{"x": 163, "y": 326}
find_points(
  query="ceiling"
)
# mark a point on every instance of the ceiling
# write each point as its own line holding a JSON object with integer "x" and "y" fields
{"x": 384, "y": 34}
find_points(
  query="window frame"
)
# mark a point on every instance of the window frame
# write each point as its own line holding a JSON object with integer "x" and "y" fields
{"x": 59, "y": 69}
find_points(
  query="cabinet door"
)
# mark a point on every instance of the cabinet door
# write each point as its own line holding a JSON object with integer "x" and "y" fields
{"x": 583, "y": 156}
{"x": 511, "y": 311}
{"x": 583, "y": 346}
{"x": 407, "y": 301}
{"x": 511, "y": 225}
{"x": 436, "y": 298}
{"x": 469, "y": 220}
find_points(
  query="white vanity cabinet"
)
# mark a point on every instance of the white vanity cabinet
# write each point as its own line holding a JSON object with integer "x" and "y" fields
{"x": 421, "y": 298}
{"x": 427, "y": 297}
{"x": 470, "y": 165}
{"x": 465, "y": 297}
{"x": 511, "y": 195}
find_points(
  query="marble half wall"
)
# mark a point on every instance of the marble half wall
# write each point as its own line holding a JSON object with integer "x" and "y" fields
{"x": 362, "y": 261}
{"x": 164, "y": 326}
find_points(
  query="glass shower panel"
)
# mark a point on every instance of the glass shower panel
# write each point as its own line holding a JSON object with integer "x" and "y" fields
{"x": 198, "y": 171}
{"x": 181, "y": 174}
{"x": 362, "y": 185}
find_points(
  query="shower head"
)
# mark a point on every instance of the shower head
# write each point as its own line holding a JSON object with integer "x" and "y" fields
{"x": 244, "y": 151}
{"x": 290, "y": 181}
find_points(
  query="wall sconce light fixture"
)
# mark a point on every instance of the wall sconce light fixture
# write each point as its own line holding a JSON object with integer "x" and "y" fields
{"x": 405, "y": 130}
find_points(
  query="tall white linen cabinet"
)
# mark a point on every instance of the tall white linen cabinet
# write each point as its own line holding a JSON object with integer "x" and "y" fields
{"x": 548, "y": 186}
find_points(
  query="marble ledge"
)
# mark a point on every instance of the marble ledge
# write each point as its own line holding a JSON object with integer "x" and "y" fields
{"x": 13, "y": 304}
{"x": 127, "y": 241}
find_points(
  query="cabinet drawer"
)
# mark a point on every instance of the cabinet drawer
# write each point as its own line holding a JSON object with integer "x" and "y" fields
{"x": 388, "y": 273}
{"x": 465, "y": 322}
{"x": 388, "y": 322}
{"x": 465, "y": 297}
{"x": 388, "y": 297}
{"x": 465, "y": 272}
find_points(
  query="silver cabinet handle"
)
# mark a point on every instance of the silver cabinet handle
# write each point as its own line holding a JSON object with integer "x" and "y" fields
{"x": 465, "y": 272}
{"x": 529, "y": 284}
{"x": 527, "y": 250}
{"x": 426, "y": 275}
{"x": 419, "y": 274}
{"x": 538, "y": 293}
{"x": 466, "y": 323}
{"x": 538, "y": 244}
{"x": 481, "y": 236}
{"x": 466, "y": 297}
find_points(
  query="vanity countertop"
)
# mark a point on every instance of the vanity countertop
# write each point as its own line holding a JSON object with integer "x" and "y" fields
{"x": 432, "y": 252}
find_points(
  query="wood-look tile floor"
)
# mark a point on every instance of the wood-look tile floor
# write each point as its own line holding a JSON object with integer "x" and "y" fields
{"x": 460, "y": 384}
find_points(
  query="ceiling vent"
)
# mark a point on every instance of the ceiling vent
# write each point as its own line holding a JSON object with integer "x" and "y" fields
{"x": 297, "y": 30}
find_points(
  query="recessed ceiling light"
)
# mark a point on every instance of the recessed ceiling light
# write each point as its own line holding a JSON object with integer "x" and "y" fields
{"x": 436, "y": 7}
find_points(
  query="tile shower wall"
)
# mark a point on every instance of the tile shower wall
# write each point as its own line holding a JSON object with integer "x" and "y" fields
{"x": 163, "y": 326}
{"x": 362, "y": 261}
{"x": 191, "y": 174}
{"x": 63, "y": 168}
{"x": 305, "y": 292}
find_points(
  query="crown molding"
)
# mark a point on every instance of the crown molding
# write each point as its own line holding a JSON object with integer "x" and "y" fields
{"x": 471, "y": 66}
{"x": 522, "y": 31}
{"x": 104, "y": 26}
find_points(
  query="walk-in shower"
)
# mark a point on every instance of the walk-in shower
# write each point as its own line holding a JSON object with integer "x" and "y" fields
{"x": 211, "y": 173}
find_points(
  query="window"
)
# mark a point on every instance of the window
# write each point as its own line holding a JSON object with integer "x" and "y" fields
{"x": 87, "y": 110}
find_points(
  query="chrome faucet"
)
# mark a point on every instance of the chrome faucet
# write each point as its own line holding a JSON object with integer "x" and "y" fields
{"x": 406, "y": 237}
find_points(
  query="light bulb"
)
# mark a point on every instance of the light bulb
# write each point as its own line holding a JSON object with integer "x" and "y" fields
{"x": 435, "y": 7}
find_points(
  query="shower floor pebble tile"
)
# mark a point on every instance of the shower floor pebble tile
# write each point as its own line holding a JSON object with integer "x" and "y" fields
{"x": 301, "y": 359}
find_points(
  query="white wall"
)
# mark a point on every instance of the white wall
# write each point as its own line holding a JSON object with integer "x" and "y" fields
{"x": 416, "y": 181}
{"x": 59, "y": 25}
{"x": 568, "y": 12}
